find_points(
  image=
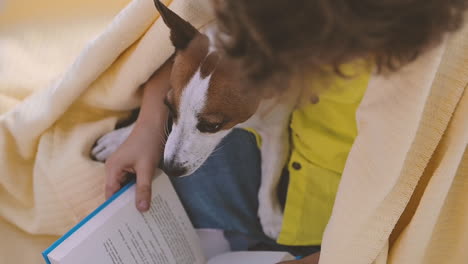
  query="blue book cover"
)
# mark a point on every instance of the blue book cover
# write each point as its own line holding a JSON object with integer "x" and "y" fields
{"x": 84, "y": 221}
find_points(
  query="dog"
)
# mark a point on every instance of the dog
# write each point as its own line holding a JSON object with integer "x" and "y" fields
{"x": 206, "y": 101}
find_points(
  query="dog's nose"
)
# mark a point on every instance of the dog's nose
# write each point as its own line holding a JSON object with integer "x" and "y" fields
{"x": 174, "y": 169}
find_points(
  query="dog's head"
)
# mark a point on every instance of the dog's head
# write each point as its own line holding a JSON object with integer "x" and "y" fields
{"x": 207, "y": 96}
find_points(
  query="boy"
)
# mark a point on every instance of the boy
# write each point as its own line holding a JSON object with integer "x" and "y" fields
{"x": 291, "y": 40}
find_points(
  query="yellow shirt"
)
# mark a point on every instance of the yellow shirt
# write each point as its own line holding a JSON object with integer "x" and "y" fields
{"x": 322, "y": 135}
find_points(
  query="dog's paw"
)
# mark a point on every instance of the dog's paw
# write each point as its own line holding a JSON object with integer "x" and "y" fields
{"x": 271, "y": 218}
{"x": 109, "y": 143}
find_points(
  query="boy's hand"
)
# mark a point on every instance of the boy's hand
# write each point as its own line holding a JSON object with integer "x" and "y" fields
{"x": 139, "y": 154}
{"x": 311, "y": 259}
{"x": 142, "y": 150}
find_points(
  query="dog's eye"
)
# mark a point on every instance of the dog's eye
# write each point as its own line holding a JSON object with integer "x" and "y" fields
{"x": 206, "y": 127}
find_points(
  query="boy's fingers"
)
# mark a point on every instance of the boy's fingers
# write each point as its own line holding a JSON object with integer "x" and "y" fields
{"x": 115, "y": 176}
{"x": 143, "y": 187}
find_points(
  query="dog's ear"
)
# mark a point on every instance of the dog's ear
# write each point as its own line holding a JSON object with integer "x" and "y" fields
{"x": 182, "y": 32}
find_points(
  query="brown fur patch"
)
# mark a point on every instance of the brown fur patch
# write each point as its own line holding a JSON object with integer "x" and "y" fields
{"x": 182, "y": 32}
{"x": 229, "y": 99}
{"x": 209, "y": 64}
{"x": 186, "y": 63}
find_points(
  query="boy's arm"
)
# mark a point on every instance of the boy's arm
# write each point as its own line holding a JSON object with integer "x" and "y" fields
{"x": 142, "y": 150}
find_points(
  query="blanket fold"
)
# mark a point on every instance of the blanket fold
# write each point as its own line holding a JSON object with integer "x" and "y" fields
{"x": 400, "y": 199}
{"x": 60, "y": 101}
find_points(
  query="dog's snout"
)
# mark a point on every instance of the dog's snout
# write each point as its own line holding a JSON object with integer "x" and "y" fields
{"x": 174, "y": 169}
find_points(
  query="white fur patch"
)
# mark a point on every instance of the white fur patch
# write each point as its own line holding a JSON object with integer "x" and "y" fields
{"x": 110, "y": 142}
{"x": 186, "y": 146}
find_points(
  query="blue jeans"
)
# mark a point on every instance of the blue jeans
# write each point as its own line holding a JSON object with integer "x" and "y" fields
{"x": 222, "y": 194}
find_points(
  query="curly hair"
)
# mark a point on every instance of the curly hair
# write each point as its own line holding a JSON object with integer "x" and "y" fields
{"x": 277, "y": 36}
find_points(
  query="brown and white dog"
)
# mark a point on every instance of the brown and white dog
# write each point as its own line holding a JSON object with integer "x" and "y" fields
{"x": 207, "y": 100}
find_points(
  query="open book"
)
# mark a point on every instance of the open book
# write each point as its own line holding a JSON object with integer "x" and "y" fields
{"x": 116, "y": 233}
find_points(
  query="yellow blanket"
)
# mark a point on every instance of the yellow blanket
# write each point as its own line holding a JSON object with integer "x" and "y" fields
{"x": 68, "y": 71}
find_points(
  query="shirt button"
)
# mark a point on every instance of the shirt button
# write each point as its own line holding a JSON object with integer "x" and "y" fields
{"x": 314, "y": 99}
{"x": 296, "y": 165}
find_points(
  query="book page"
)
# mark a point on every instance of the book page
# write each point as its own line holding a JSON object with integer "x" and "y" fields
{"x": 257, "y": 257}
{"x": 213, "y": 242}
{"x": 162, "y": 235}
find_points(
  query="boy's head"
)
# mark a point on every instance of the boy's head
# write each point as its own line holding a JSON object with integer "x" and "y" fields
{"x": 278, "y": 36}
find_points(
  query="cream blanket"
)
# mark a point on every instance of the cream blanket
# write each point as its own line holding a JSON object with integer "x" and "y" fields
{"x": 403, "y": 197}
{"x": 70, "y": 69}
